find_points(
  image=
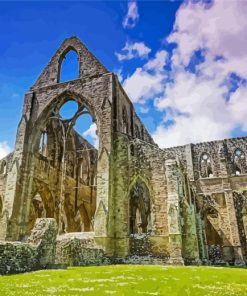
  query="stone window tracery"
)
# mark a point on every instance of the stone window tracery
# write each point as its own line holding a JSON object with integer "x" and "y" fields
{"x": 239, "y": 161}
{"x": 43, "y": 143}
{"x": 206, "y": 170}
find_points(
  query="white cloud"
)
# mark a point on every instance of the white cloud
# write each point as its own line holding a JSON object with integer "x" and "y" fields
{"x": 133, "y": 50}
{"x": 198, "y": 108}
{"x": 195, "y": 101}
{"x": 220, "y": 28}
{"x": 198, "y": 103}
{"x": 144, "y": 109}
{"x": 92, "y": 133}
{"x": 147, "y": 81}
{"x": 142, "y": 85}
{"x": 157, "y": 64}
{"x": 132, "y": 16}
{"x": 119, "y": 75}
{"x": 4, "y": 149}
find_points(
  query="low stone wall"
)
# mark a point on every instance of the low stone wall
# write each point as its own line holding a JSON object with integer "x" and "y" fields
{"x": 78, "y": 249}
{"x": 37, "y": 253}
{"x": 16, "y": 257}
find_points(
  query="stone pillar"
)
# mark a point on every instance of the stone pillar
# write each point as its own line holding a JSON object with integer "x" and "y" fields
{"x": 10, "y": 221}
{"x": 233, "y": 226}
{"x": 175, "y": 238}
{"x": 201, "y": 237}
{"x": 189, "y": 162}
{"x": 223, "y": 166}
{"x": 190, "y": 251}
{"x": 13, "y": 185}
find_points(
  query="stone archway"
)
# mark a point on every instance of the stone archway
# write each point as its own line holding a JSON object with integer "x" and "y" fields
{"x": 76, "y": 152}
{"x": 93, "y": 90}
{"x": 139, "y": 208}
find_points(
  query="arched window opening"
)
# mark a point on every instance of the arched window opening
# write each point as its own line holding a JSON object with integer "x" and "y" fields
{"x": 39, "y": 207}
{"x": 42, "y": 204}
{"x": 238, "y": 171}
{"x": 210, "y": 173}
{"x": 87, "y": 142}
{"x": 68, "y": 109}
{"x": 37, "y": 210}
{"x": 84, "y": 167}
{"x": 48, "y": 144}
{"x": 239, "y": 162}
{"x": 206, "y": 170}
{"x": 83, "y": 220}
{"x": 212, "y": 235}
{"x": 125, "y": 128}
{"x": 80, "y": 160}
{"x": 87, "y": 128}
{"x": 69, "y": 68}
{"x": 71, "y": 135}
{"x": 43, "y": 144}
{"x": 140, "y": 208}
{"x": 3, "y": 168}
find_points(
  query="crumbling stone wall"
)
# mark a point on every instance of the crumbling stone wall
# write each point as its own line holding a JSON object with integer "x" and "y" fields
{"x": 17, "y": 257}
{"x": 38, "y": 252}
{"x": 216, "y": 216}
{"x": 79, "y": 249}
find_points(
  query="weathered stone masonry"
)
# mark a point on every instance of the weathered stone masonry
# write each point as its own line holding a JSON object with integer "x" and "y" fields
{"x": 130, "y": 200}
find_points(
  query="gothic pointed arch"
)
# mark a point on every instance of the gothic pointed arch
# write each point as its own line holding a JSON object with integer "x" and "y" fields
{"x": 239, "y": 162}
{"x": 69, "y": 61}
{"x": 88, "y": 63}
{"x": 206, "y": 168}
{"x": 139, "y": 207}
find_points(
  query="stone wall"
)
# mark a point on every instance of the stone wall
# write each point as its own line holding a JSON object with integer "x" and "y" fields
{"x": 5, "y": 166}
{"x": 216, "y": 215}
{"x": 17, "y": 257}
{"x": 78, "y": 249}
{"x": 38, "y": 252}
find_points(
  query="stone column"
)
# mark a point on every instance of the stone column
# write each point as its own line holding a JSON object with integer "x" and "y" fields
{"x": 233, "y": 225}
{"x": 175, "y": 238}
{"x": 223, "y": 166}
{"x": 189, "y": 162}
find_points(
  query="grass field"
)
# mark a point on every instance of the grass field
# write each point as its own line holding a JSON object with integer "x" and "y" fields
{"x": 128, "y": 280}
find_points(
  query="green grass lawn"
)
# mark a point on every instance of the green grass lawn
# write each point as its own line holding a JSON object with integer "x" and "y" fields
{"x": 128, "y": 280}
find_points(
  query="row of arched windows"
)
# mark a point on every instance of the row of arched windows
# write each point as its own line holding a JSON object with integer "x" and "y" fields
{"x": 238, "y": 164}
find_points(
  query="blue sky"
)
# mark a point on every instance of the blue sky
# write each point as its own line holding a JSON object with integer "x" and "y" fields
{"x": 183, "y": 64}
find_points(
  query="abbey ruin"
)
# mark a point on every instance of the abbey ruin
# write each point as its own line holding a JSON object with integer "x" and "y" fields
{"x": 127, "y": 201}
